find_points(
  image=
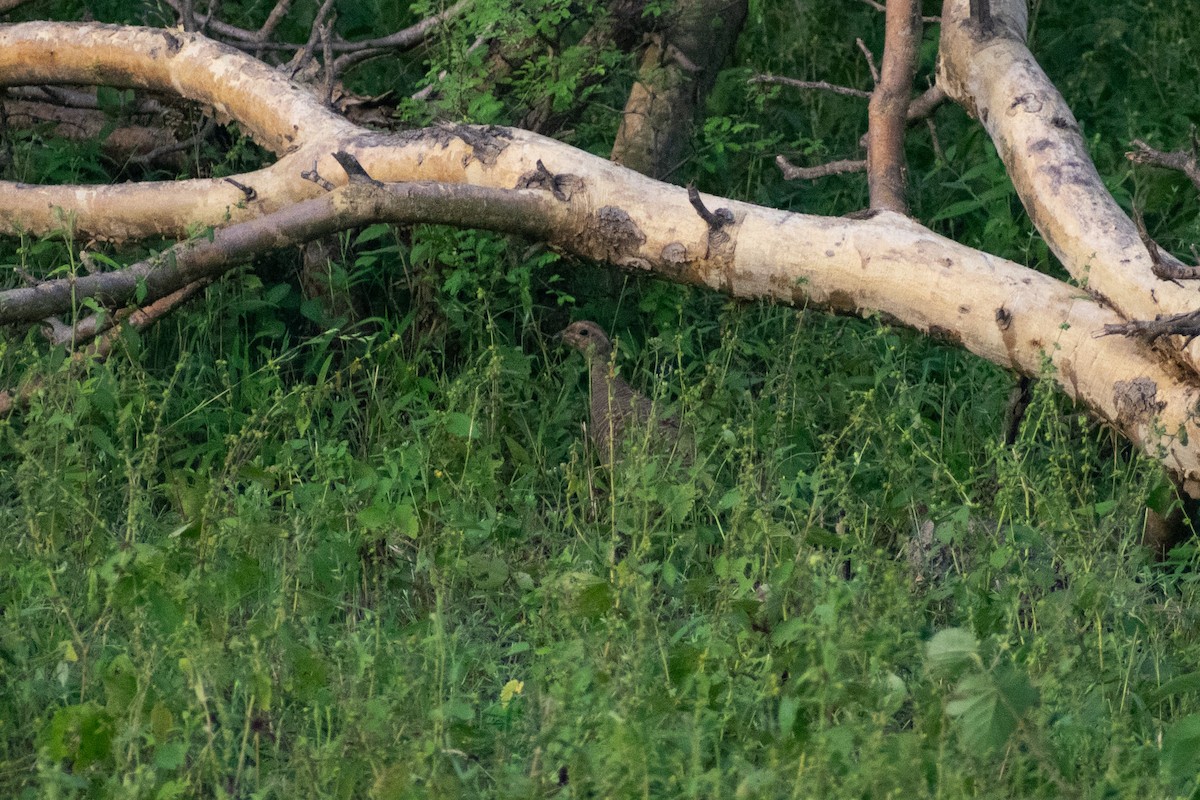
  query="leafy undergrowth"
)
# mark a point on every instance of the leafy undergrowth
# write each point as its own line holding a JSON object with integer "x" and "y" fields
{"x": 251, "y": 573}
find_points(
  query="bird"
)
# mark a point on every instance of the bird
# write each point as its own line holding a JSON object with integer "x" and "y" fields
{"x": 616, "y": 407}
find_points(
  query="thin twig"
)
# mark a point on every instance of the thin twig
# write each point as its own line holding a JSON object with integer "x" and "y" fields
{"x": 792, "y": 172}
{"x": 109, "y": 323}
{"x": 1179, "y": 160}
{"x": 866, "y": 51}
{"x": 304, "y": 55}
{"x": 819, "y": 85}
{"x": 1164, "y": 265}
{"x": 1186, "y": 325}
{"x": 273, "y": 19}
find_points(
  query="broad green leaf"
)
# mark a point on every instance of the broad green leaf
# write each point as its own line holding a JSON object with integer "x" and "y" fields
{"x": 990, "y": 706}
{"x": 1181, "y": 749}
{"x": 951, "y": 651}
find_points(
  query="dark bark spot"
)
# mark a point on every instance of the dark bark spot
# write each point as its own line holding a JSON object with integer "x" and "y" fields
{"x": 841, "y": 302}
{"x": 1028, "y": 102}
{"x": 674, "y": 253}
{"x": 563, "y": 186}
{"x": 1041, "y": 145}
{"x": 173, "y": 43}
{"x": 1062, "y": 123}
{"x": 964, "y": 309}
{"x": 486, "y": 143}
{"x": 615, "y": 233}
{"x": 1136, "y": 401}
{"x": 941, "y": 334}
{"x": 1003, "y": 318}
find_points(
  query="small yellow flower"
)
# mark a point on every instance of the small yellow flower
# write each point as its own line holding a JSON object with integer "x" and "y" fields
{"x": 511, "y": 690}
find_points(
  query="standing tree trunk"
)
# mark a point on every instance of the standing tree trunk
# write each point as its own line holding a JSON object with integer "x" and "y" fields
{"x": 678, "y": 70}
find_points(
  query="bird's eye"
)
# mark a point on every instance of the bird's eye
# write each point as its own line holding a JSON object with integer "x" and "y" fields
{"x": 583, "y": 332}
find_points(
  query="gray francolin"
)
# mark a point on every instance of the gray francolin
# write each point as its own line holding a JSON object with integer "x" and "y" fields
{"x": 617, "y": 409}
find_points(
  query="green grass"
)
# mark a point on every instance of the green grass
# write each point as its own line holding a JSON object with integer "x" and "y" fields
{"x": 404, "y": 577}
{"x": 260, "y": 552}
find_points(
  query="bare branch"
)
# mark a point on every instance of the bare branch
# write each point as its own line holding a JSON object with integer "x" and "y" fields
{"x": 819, "y": 85}
{"x": 997, "y": 80}
{"x": 1179, "y": 160}
{"x": 792, "y": 172}
{"x": 926, "y": 103}
{"x": 866, "y": 51}
{"x": 305, "y": 54}
{"x": 139, "y": 318}
{"x": 1165, "y": 266}
{"x": 273, "y": 19}
{"x": 356, "y": 51}
{"x": 361, "y": 202}
{"x": 886, "y": 167}
{"x": 187, "y": 15}
{"x": 1186, "y": 325}
{"x": 157, "y": 153}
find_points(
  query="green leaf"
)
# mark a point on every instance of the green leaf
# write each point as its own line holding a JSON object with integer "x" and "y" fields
{"x": 374, "y": 517}
{"x": 1180, "y": 684}
{"x": 951, "y": 651}
{"x": 372, "y": 232}
{"x": 990, "y": 706}
{"x": 120, "y": 684}
{"x": 462, "y": 425}
{"x": 1181, "y": 749}
{"x": 82, "y": 733}
{"x": 789, "y": 631}
{"x": 788, "y": 706}
{"x": 170, "y": 755}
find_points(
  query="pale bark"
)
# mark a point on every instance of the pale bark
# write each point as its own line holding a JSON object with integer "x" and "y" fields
{"x": 993, "y": 75}
{"x": 513, "y": 180}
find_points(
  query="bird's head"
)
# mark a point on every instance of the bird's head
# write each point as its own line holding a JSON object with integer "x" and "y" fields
{"x": 588, "y": 338}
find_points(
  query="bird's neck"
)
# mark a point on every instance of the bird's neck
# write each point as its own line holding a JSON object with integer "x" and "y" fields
{"x": 600, "y": 375}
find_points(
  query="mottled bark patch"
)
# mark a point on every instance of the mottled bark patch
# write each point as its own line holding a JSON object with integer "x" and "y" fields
{"x": 674, "y": 253}
{"x": 615, "y": 236}
{"x": 562, "y": 185}
{"x": 486, "y": 143}
{"x": 1029, "y": 102}
{"x": 1136, "y": 400}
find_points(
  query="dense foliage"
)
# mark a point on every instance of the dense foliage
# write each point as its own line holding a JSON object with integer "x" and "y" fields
{"x": 263, "y": 552}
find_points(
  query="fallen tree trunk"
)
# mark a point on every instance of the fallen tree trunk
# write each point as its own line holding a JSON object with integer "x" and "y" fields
{"x": 990, "y": 72}
{"x": 512, "y": 180}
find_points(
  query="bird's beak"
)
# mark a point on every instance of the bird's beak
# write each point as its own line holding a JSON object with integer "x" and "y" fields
{"x": 559, "y": 335}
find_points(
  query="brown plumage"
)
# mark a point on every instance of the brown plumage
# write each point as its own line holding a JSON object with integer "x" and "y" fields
{"x": 616, "y": 406}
